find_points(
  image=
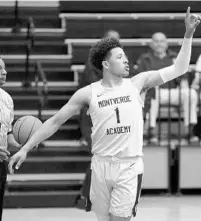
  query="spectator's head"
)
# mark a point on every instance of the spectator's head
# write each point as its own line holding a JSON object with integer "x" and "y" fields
{"x": 112, "y": 34}
{"x": 3, "y": 72}
{"x": 159, "y": 43}
{"x": 108, "y": 55}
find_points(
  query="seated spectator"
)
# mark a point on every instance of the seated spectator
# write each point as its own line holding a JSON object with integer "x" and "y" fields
{"x": 158, "y": 57}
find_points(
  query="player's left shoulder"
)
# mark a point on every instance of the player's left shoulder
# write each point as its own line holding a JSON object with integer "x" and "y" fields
{"x": 138, "y": 81}
{"x": 136, "y": 85}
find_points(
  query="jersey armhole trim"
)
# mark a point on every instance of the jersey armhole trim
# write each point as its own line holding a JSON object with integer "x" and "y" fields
{"x": 90, "y": 101}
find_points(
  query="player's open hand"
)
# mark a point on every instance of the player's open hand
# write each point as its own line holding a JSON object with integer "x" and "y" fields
{"x": 4, "y": 154}
{"x": 17, "y": 159}
{"x": 191, "y": 21}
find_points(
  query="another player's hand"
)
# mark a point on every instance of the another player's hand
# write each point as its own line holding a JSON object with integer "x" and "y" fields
{"x": 191, "y": 21}
{"x": 17, "y": 159}
{"x": 4, "y": 154}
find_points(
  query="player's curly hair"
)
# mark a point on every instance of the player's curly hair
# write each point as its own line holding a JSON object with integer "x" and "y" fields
{"x": 100, "y": 50}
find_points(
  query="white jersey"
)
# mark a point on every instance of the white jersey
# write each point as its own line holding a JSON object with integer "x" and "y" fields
{"x": 6, "y": 116}
{"x": 117, "y": 120}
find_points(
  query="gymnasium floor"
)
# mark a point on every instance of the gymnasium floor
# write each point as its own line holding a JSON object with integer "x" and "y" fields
{"x": 184, "y": 208}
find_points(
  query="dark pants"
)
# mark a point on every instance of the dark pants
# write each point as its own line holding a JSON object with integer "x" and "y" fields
{"x": 3, "y": 177}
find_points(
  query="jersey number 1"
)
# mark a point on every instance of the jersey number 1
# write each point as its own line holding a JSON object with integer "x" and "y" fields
{"x": 117, "y": 115}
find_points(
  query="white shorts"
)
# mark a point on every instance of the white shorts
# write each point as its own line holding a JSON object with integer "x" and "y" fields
{"x": 115, "y": 186}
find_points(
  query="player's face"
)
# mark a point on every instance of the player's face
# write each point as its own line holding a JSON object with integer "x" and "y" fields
{"x": 3, "y": 72}
{"x": 118, "y": 63}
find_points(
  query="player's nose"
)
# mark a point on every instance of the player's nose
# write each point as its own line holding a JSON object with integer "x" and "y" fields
{"x": 4, "y": 71}
{"x": 126, "y": 61}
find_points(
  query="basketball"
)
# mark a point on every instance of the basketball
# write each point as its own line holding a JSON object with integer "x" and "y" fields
{"x": 25, "y": 127}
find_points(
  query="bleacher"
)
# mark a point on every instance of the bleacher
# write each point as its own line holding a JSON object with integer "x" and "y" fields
{"x": 64, "y": 31}
{"x": 49, "y": 55}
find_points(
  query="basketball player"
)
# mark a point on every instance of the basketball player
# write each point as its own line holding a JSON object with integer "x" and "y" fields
{"x": 115, "y": 105}
{"x": 6, "y": 137}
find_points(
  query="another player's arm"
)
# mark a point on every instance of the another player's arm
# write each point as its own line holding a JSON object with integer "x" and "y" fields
{"x": 146, "y": 80}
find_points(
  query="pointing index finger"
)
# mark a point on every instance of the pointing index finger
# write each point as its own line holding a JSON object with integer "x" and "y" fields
{"x": 188, "y": 12}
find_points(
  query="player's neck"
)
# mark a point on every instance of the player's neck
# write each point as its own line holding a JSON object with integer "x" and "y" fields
{"x": 111, "y": 81}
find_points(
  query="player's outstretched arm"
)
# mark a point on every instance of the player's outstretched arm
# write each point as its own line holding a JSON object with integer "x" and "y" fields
{"x": 49, "y": 127}
{"x": 150, "y": 79}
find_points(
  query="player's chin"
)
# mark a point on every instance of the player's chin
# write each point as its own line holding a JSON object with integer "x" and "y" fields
{"x": 125, "y": 73}
{"x": 2, "y": 81}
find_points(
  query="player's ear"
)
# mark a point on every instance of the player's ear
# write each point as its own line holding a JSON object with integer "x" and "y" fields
{"x": 105, "y": 64}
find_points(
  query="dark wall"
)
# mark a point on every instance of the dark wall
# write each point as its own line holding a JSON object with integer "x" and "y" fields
{"x": 128, "y": 6}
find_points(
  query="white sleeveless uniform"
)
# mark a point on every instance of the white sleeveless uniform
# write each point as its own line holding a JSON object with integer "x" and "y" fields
{"x": 6, "y": 116}
{"x": 117, "y": 139}
{"x": 117, "y": 120}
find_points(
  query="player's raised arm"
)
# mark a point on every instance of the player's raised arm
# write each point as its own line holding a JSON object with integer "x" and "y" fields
{"x": 150, "y": 79}
{"x": 49, "y": 127}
